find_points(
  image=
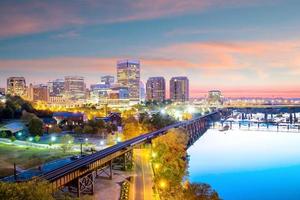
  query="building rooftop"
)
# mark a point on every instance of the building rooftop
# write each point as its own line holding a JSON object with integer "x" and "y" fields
{"x": 13, "y": 127}
{"x": 67, "y": 114}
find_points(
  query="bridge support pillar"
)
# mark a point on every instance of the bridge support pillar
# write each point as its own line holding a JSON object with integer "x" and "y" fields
{"x": 128, "y": 160}
{"x": 124, "y": 162}
{"x": 105, "y": 172}
{"x": 86, "y": 184}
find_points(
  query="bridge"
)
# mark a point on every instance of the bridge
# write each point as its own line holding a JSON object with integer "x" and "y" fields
{"x": 79, "y": 176}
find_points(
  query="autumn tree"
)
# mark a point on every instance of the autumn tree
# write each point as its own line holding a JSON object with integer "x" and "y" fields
{"x": 200, "y": 191}
{"x": 111, "y": 139}
{"x": 132, "y": 128}
{"x": 170, "y": 164}
{"x": 169, "y": 159}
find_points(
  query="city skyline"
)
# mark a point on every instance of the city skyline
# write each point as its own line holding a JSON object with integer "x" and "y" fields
{"x": 237, "y": 47}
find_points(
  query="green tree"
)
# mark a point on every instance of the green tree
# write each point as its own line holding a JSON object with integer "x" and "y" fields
{"x": 35, "y": 126}
{"x": 27, "y": 116}
{"x": 32, "y": 190}
{"x": 158, "y": 121}
{"x": 78, "y": 130}
{"x": 55, "y": 129}
{"x": 37, "y": 138}
{"x": 200, "y": 191}
{"x": 100, "y": 123}
{"x": 13, "y": 138}
{"x": 3, "y": 134}
{"x": 87, "y": 129}
{"x": 8, "y": 112}
{"x": 67, "y": 143}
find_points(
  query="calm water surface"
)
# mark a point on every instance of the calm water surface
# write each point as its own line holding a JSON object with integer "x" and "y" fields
{"x": 248, "y": 165}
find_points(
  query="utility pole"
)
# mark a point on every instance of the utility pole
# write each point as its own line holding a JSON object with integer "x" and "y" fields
{"x": 15, "y": 171}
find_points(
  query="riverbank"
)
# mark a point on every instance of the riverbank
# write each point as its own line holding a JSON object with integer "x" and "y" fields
{"x": 25, "y": 157}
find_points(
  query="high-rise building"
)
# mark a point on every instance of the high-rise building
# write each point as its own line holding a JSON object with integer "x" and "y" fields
{"x": 2, "y": 91}
{"x": 75, "y": 87}
{"x": 108, "y": 79}
{"x": 39, "y": 92}
{"x": 179, "y": 89}
{"x": 99, "y": 91}
{"x": 16, "y": 86}
{"x": 142, "y": 91}
{"x": 128, "y": 75}
{"x": 121, "y": 91}
{"x": 214, "y": 97}
{"x": 156, "y": 89}
{"x": 56, "y": 87}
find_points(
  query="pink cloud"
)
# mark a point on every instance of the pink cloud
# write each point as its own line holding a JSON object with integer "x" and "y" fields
{"x": 240, "y": 66}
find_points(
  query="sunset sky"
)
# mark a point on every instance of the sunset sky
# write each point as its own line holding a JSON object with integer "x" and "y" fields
{"x": 242, "y": 47}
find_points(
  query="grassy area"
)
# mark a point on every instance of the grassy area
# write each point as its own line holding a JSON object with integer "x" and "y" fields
{"x": 25, "y": 157}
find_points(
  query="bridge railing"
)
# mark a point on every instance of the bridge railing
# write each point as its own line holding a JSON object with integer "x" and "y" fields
{"x": 258, "y": 126}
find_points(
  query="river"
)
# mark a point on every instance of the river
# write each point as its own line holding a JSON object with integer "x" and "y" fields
{"x": 248, "y": 165}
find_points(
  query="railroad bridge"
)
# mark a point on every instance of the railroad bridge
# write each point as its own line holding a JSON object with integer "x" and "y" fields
{"x": 79, "y": 176}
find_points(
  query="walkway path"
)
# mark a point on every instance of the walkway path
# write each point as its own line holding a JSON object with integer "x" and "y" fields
{"x": 142, "y": 181}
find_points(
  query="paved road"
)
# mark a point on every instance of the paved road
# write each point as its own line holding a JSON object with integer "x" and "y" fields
{"x": 142, "y": 182}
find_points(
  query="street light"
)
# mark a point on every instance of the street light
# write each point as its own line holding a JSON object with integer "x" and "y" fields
{"x": 118, "y": 139}
{"x": 53, "y": 138}
{"x": 101, "y": 142}
{"x": 154, "y": 154}
{"x": 191, "y": 109}
{"x": 162, "y": 184}
{"x": 30, "y": 139}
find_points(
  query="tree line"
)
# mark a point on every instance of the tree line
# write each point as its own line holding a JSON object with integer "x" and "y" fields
{"x": 170, "y": 164}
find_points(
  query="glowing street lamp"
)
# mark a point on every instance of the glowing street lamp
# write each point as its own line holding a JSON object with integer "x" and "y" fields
{"x": 178, "y": 115}
{"x": 53, "y": 138}
{"x": 190, "y": 109}
{"x": 30, "y": 139}
{"x": 154, "y": 154}
{"x": 118, "y": 139}
{"x": 162, "y": 184}
{"x": 101, "y": 142}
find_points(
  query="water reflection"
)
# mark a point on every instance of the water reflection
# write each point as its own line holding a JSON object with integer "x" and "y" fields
{"x": 248, "y": 164}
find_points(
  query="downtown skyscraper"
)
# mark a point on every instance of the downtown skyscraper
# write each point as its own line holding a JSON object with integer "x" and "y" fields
{"x": 179, "y": 89}
{"x": 156, "y": 89}
{"x": 128, "y": 75}
{"x": 16, "y": 86}
{"x": 75, "y": 87}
